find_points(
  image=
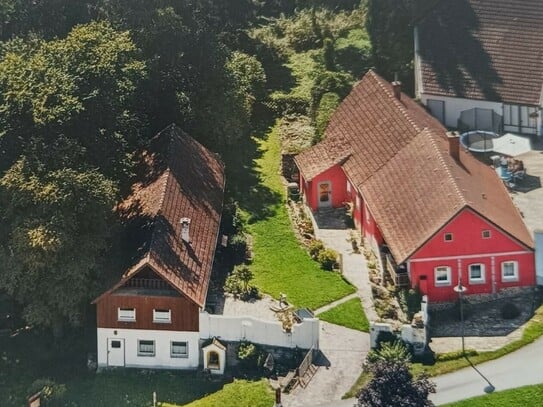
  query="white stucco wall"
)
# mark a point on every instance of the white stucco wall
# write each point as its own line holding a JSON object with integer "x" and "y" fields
{"x": 162, "y": 358}
{"x": 454, "y": 106}
{"x": 304, "y": 335}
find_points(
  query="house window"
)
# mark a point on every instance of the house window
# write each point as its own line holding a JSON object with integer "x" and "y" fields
{"x": 179, "y": 350}
{"x": 126, "y": 314}
{"x": 486, "y": 234}
{"x": 146, "y": 348}
{"x": 162, "y": 316}
{"x": 116, "y": 344}
{"x": 348, "y": 187}
{"x": 448, "y": 237}
{"x": 442, "y": 275}
{"x": 476, "y": 273}
{"x": 510, "y": 271}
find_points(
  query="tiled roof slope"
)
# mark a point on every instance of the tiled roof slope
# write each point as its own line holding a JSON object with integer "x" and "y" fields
{"x": 183, "y": 179}
{"x": 368, "y": 128}
{"x": 484, "y": 49}
{"x": 398, "y": 159}
{"x": 418, "y": 191}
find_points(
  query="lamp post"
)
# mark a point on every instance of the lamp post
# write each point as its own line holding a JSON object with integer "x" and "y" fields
{"x": 460, "y": 289}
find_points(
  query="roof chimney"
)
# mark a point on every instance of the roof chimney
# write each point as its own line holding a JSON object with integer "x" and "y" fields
{"x": 397, "y": 89}
{"x": 454, "y": 145}
{"x": 185, "y": 229}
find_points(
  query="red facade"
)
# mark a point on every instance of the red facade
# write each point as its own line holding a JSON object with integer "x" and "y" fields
{"x": 464, "y": 243}
{"x": 184, "y": 313}
{"x": 328, "y": 189}
{"x": 474, "y": 241}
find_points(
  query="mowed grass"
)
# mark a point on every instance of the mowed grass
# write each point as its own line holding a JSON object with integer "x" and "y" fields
{"x": 520, "y": 397}
{"x": 240, "y": 393}
{"x": 349, "y": 314}
{"x": 280, "y": 264}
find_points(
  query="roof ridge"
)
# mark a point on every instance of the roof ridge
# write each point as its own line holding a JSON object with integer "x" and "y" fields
{"x": 386, "y": 87}
{"x": 445, "y": 166}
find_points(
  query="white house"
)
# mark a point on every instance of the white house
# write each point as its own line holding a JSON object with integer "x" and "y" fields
{"x": 483, "y": 54}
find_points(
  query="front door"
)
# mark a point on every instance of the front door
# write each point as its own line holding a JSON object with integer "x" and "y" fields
{"x": 325, "y": 194}
{"x": 115, "y": 352}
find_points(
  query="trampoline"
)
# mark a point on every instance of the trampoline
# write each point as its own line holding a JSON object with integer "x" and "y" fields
{"x": 479, "y": 141}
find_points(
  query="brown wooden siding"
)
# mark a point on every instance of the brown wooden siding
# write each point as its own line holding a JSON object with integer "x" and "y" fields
{"x": 184, "y": 312}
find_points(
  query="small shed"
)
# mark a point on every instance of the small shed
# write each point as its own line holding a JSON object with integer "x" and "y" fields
{"x": 214, "y": 353}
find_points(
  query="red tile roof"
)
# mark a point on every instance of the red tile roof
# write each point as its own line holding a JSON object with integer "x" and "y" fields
{"x": 484, "y": 49}
{"x": 181, "y": 179}
{"x": 398, "y": 159}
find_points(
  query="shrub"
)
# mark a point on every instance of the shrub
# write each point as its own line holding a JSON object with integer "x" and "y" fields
{"x": 390, "y": 351}
{"x": 239, "y": 248}
{"x": 328, "y": 259}
{"x": 327, "y": 106}
{"x": 284, "y": 104}
{"x": 315, "y": 247}
{"x": 510, "y": 310}
{"x": 238, "y": 283}
{"x": 51, "y": 392}
{"x": 250, "y": 355}
{"x": 385, "y": 309}
{"x": 384, "y": 337}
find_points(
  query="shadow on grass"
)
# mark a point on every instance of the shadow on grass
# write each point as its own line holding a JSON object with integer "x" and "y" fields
{"x": 244, "y": 182}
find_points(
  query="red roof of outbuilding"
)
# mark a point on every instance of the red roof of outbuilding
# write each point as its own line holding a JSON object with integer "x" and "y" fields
{"x": 397, "y": 157}
{"x": 180, "y": 178}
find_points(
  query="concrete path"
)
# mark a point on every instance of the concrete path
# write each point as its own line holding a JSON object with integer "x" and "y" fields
{"x": 344, "y": 350}
{"x": 354, "y": 265}
{"x": 520, "y": 368}
{"x": 334, "y": 304}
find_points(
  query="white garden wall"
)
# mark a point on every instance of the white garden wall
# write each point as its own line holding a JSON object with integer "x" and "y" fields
{"x": 239, "y": 328}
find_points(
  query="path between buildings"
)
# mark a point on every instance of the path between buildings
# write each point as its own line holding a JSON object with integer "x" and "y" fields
{"x": 344, "y": 352}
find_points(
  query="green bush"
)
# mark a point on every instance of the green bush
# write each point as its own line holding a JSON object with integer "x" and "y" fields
{"x": 390, "y": 351}
{"x": 285, "y": 104}
{"x": 52, "y": 393}
{"x": 327, "y": 259}
{"x": 328, "y": 81}
{"x": 250, "y": 355}
{"x": 239, "y": 248}
{"x": 510, "y": 310}
{"x": 327, "y": 106}
{"x": 315, "y": 247}
{"x": 238, "y": 283}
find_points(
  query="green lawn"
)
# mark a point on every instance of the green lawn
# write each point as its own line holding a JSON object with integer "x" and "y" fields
{"x": 280, "y": 264}
{"x": 349, "y": 314}
{"x": 241, "y": 393}
{"x": 520, "y": 397}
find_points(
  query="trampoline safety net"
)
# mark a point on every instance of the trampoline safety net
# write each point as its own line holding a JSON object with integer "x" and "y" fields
{"x": 480, "y": 119}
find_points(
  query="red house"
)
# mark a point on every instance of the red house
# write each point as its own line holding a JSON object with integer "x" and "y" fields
{"x": 150, "y": 317}
{"x": 442, "y": 215}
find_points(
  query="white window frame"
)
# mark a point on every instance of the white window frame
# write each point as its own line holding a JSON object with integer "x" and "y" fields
{"x": 126, "y": 314}
{"x": 448, "y": 273}
{"x": 486, "y": 231}
{"x": 348, "y": 187}
{"x": 162, "y": 316}
{"x": 445, "y": 237}
{"x": 178, "y": 354}
{"x": 515, "y": 276}
{"x": 146, "y": 352}
{"x": 477, "y": 280}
